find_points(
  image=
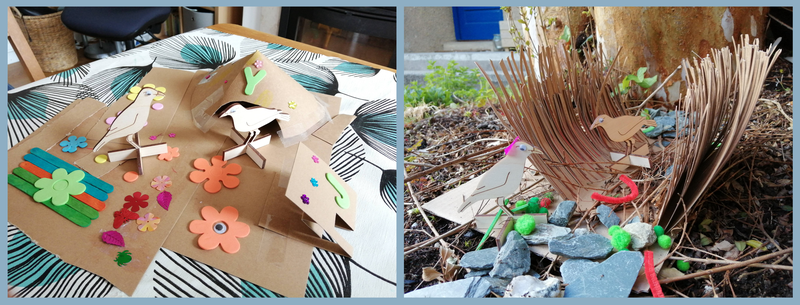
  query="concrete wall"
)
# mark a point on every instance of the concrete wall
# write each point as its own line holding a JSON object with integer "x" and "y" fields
{"x": 263, "y": 19}
{"x": 428, "y": 28}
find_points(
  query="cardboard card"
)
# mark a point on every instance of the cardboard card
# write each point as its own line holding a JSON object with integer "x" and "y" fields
{"x": 271, "y": 89}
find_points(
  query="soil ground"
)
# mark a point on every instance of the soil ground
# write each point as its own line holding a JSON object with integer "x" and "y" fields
{"x": 751, "y": 200}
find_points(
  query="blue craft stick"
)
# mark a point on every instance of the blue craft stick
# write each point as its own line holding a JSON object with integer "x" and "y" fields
{"x": 50, "y": 168}
{"x": 100, "y": 184}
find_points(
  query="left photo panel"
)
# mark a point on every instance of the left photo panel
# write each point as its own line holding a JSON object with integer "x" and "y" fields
{"x": 202, "y": 152}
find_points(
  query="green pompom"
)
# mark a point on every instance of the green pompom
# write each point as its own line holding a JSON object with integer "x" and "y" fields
{"x": 549, "y": 195}
{"x": 533, "y": 205}
{"x": 525, "y": 224}
{"x": 665, "y": 241}
{"x": 659, "y": 230}
{"x": 620, "y": 240}
{"x": 682, "y": 266}
{"x": 613, "y": 229}
{"x": 543, "y": 210}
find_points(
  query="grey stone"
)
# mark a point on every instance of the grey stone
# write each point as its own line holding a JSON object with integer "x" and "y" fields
{"x": 479, "y": 260}
{"x": 544, "y": 233}
{"x": 477, "y": 273}
{"x": 607, "y": 216}
{"x": 635, "y": 219}
{"x": 574, "y": 267}
{"x": 563, "y": 212}
{"x": 527, "y": 286}
{"x": 642, "y": 235}
{"x": 514, "y": 258}
{"x": 497, "y": 285}
{"x": 612, "y": 278}
{"x": 591, "y": 246}
{"x": 581, "y": 231}
{"x": 475, "y": 287}
{"x": 532, "y": 273}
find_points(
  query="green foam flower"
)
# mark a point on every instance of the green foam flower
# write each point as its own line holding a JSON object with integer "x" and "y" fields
{"x": 60, "y": 187}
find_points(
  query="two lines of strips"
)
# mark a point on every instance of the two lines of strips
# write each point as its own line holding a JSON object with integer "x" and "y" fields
{"x": 80, "y": 209}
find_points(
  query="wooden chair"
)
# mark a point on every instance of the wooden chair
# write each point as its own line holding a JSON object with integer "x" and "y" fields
{"x": 23, "y": 49}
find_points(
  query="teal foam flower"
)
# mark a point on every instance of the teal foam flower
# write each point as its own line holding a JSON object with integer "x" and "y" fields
{"x": 60, "y": 186}
{"x": 72, "y": 143}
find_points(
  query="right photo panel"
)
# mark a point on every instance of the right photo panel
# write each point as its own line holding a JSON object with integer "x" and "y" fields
{"x": 598, "y": 152}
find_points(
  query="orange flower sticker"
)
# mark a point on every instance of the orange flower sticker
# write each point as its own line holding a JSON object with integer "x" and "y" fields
{"x": 215, "y": 172}
{"x": 219, "y": 229}
{"x": 172, "y": 152}
{"x": 148, "y": 222}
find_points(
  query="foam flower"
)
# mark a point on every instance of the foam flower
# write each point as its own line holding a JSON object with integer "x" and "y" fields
{"x": 172, "y": 135}
{"x": 172, "y": 152}
{"x": 216, "y": 173}
{"x": 72, "y": 143}
{"x": 292, "y": 105}
{"x": 314, "y": 182}
{"x": 315, "y": 158}
{"x": 135, "y": 201}
{"x": 148, "y": 222}
{"x": 304, "y": 198}
{"x": 161, "y": 183}
{"x": 60, "y": 186}
{"x": 219, "y": 229}
{"x": 136, "y": 89}
{"x": 258, "y": 64}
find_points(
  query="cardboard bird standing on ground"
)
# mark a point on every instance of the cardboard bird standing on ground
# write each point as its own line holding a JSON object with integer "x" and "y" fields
{"x": 250, "y": 120}
{"x": 505, "y": 176}
{"x": 622, "y": 128}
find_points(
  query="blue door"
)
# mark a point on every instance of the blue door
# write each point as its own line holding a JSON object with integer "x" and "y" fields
{"x": 476, "y": 22}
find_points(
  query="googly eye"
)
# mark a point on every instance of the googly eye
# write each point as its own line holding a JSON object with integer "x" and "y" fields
{"x": 601, "y": 120}
{"x": 220, "y": 228}
{"x": 523, "y": 147}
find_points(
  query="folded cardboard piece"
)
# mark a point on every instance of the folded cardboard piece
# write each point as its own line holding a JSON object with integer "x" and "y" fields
{"x": 277, "y": 258}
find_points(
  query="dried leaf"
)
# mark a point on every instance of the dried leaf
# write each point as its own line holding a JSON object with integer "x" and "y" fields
{"x": 740, "y": 245}
{"x": 430, "y": 274}
{"x": 722, "y": 246}
{"x": 667, "y": 273}
{"x": 113, "y": 238}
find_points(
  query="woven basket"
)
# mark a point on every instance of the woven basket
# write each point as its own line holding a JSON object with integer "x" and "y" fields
{"x": 52, "y": 43}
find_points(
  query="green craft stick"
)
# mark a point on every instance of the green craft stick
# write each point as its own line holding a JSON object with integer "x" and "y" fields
{"x": 343, "y": 200}
{"x": 494, "y": 222}
{"x": 76, "y": 204}
{"x": 100, "y": 184}
{"x": 252, "y": 80}
{"x": 68, "y": 212}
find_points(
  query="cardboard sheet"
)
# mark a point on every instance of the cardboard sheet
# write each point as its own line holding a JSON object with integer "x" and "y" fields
{"x": 275, "y": 261}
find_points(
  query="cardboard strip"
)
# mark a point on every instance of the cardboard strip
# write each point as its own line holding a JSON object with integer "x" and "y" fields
{"x": 100, "y": 184}
{"x": 46, "y": 166}
{"x": 83, "y": 197}
{"x": 72, "y": 202}
{"x": 66, "y": 211}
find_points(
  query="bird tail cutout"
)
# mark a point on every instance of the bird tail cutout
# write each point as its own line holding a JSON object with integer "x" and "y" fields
{"x": 100, "y": 144}
{"x": 464, "y": 205}
{"x": 617, "y": 200}
{"x": 283, "y": 116}
{"x": 651, "y": 123}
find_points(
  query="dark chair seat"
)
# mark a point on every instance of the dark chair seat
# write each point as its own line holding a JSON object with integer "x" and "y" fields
{"x": 113, "y": 23}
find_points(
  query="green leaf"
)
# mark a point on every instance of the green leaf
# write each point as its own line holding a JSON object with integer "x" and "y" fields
{"x": 647, "y": 82}
{"x": 566, "y": 35}
{"x": 740, "y": 245}
{"x": 787, "y": 208}
{"x": 704, "y": 240}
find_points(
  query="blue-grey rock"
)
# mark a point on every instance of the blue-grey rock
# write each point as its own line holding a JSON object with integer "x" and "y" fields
{"x": 642, "y": 235}
{"x": 475, "y": 287}
{"x": 497, "y": 285}
{"x": 574, "y": 267}
{"x": 590, "y": 246}
{"x": 581, "y": 231}
{"x": 563, "y": 212}
{"x": 544, "y": 233}
{"x": 477, "y": 273}
{"x": 635, "y": 219}
{"x": 612, "y": 278}
{"x": 527, "y": 286}
{"x": 479, "y": 260}
{"x": 514, "y": 258}
{"x": 607, "y": 216}
{"x": 665, "y": 123}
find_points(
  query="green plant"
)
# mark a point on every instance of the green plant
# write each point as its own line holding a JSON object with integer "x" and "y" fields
{"x": 446, "y": 81}
{"x": 639, "y": 79}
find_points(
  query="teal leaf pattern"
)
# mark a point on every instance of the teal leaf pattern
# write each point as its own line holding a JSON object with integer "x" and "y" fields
{"x": 188, "y": 52}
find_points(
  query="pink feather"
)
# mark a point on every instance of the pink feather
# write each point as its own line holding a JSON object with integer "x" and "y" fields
{"x": 164, "y": 198}
{"x": 512, "y": 145}
{"x": 113, "y": 238}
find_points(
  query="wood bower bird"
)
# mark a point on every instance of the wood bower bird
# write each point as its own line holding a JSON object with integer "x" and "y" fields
{"x": 622, "y": 128}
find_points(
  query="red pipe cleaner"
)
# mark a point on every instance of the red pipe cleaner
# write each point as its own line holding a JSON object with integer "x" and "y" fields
{"x": 617, "y": 200}
{"x": 650, "y": 272}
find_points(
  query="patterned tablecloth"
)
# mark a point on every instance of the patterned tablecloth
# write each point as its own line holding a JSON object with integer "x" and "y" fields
{"x": 364, "y": 156}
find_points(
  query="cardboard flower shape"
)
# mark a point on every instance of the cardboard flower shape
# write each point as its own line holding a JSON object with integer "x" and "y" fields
{"x": 60, "y": 187}
{"x": 161, "y": 183}
{"x": 219, "y": 229}
{"x": 72, "y": 143}
{"x": 172, "y": 152}
{"x": 215, "y": 172}
{"x": 148, "y": 222}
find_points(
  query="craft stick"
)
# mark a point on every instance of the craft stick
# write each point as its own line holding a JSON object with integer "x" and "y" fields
{"x": 100, "y": 184}
{"x": 72, "y": 202}
{"x": 50, "y": 168}
{"x": 66, "y": 211}
{"x": 83, "y": 197}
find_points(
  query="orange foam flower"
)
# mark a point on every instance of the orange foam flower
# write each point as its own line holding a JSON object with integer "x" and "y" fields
{"x": 219, "y": 229}
{"x": 172, "y": 152}
{"x": 215, "y": 172}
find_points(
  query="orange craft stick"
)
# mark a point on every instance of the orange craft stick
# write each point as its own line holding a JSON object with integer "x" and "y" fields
{"x": 83, "y": 197}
